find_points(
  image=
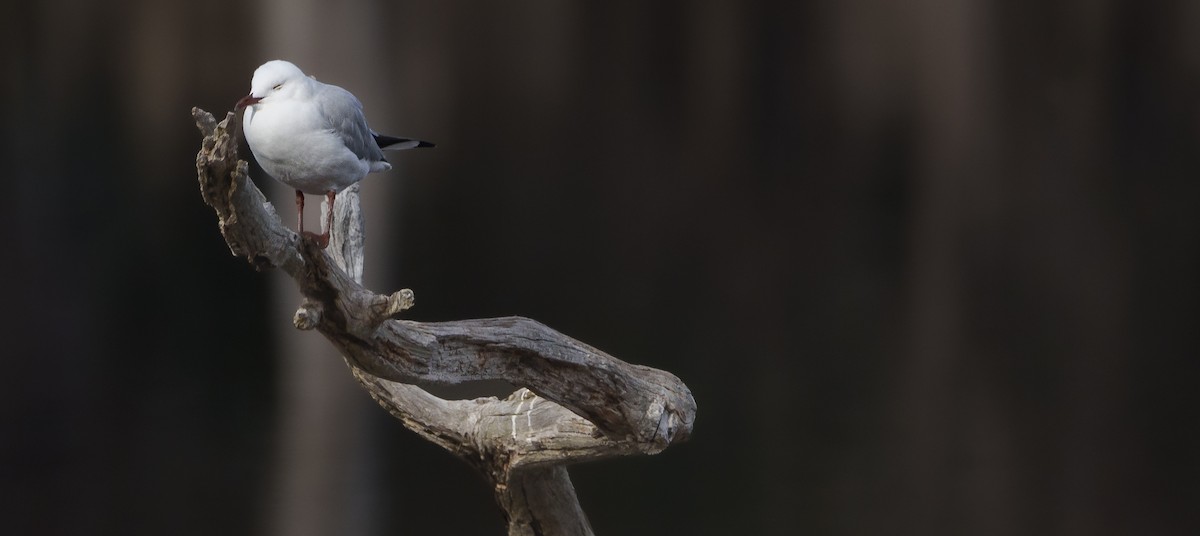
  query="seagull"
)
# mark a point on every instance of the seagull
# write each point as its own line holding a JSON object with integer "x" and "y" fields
{"x": 311, "y": 136}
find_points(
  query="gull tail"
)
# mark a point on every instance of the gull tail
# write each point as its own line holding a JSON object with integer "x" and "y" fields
{"x": 390, "y": 143}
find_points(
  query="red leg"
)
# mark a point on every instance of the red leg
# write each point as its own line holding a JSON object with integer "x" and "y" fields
{"x": 300, "y": 211}
{"x": 331, "y": 196}
{"x": 324, "y": 238}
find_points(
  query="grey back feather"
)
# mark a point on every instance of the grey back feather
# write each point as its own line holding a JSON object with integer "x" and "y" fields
{"x": 343, "y": 114}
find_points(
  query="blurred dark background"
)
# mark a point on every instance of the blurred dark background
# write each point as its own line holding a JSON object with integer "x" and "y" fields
{"x": 928, "y": 267}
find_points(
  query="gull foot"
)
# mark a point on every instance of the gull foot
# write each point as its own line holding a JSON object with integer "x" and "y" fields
{"x": 322, "y": 240}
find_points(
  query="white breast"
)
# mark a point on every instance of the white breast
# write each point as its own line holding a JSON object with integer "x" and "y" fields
{"x": 290, "y": 142}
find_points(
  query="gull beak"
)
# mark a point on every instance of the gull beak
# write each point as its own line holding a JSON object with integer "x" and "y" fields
{"x": 248, "y": 100}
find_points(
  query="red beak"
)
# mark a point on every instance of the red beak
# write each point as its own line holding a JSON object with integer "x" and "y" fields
{"x": 246, "y": 101}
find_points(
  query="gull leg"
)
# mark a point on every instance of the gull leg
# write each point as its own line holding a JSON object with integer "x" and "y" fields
{"x": 300, "y": 211}
{"x": 323, "y": 240}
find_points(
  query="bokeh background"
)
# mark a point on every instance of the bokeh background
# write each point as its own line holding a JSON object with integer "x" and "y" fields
{"x": 929, "y": 267}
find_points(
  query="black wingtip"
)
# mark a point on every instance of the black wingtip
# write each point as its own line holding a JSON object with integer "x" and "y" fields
{"x": 392, "y": 142}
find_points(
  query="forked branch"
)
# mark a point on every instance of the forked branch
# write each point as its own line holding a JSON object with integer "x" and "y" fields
{"x": 577, "y": 403}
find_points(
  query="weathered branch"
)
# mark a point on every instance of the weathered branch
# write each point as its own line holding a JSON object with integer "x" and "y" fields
{"x": 578, "y": 403}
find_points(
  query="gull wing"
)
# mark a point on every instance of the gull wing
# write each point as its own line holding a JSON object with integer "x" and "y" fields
{"x": 343, "y": 115}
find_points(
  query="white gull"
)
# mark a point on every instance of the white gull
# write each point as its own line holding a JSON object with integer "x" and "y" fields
{"x": 311, "y": 136}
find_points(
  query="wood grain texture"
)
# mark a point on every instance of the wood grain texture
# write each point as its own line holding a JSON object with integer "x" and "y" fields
{"x": 576, "y": 403}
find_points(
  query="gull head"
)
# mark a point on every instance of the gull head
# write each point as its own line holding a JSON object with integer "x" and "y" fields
{"x": 273, "y": 79}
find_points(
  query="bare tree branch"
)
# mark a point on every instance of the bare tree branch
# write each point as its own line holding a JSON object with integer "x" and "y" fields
{"x": 578, "y": 403}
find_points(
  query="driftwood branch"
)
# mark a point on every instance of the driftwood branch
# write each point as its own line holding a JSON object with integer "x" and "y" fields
{"x": 576, "y": 403}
